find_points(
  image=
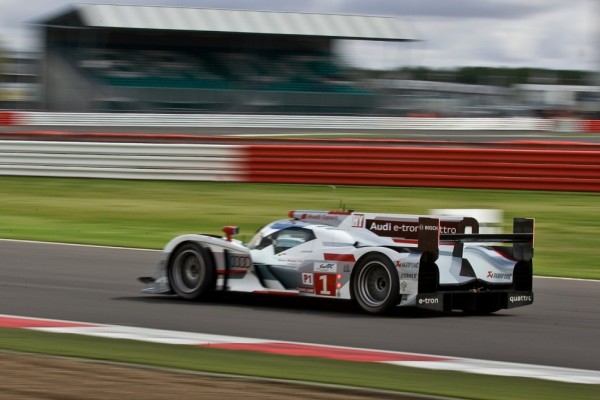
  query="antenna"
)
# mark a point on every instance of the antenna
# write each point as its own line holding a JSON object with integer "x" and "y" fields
{"x": 342, "y": 205}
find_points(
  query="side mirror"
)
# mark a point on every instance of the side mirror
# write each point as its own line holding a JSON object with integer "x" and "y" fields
{"x": 230, "y": 231}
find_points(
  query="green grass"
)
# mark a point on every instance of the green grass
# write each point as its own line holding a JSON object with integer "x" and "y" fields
{"x": 366, "y": 375}
{"x": 147, "y": 214}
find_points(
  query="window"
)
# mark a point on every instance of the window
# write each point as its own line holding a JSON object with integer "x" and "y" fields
{"x": 284, "y": 239}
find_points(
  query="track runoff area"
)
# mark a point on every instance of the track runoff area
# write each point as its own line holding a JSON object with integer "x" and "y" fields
{"x": 413, "y": 360}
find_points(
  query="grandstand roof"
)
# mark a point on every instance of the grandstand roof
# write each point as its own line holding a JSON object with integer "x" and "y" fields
{"x": 379, "y": 28}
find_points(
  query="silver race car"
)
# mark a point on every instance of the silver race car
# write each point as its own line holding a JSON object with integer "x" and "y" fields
{"x": 379, "y": 261}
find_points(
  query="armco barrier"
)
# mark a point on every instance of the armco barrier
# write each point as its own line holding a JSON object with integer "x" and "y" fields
{"x": 491, "y": 168}
{"x": 538, "y": 168}
{"x": 325, "y": 122}
{"x": 321, "y": 122}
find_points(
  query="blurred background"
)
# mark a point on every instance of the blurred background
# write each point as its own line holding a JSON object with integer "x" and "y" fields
{"x": 412, "y": 58}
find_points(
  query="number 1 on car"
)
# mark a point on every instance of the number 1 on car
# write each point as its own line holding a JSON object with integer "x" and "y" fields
{"x": 325, "y": 284}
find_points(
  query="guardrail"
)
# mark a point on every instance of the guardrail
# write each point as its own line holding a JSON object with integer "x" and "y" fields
{"x": 346, "y": 122}
{"x": 526, "y": 168}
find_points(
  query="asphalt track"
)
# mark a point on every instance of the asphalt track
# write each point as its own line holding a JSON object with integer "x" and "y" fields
{"x": 96, "y": 284}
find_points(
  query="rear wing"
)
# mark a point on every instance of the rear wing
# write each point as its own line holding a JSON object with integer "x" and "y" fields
{"x": 430, "y": 238}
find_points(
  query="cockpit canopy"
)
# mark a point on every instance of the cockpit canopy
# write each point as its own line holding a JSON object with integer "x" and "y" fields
{"x": 282, "y": 235}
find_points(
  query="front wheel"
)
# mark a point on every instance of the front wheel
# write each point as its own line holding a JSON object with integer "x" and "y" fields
{"x": 191, "y": 272}
{"x": 375, "y": 284}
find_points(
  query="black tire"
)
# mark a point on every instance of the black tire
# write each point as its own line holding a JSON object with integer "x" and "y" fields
{"x": 375, "y": 284}
{"x": 191, "y": 272}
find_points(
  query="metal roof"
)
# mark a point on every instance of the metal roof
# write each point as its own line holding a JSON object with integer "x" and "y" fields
{"x": 243, "y": 21}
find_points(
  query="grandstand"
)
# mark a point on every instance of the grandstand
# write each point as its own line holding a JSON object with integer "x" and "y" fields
{"x": 18, "y": 81}
{"x": 170, "y": 59}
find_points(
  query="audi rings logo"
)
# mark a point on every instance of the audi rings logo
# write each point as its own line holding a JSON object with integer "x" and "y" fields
{"x": 239, "y": 261}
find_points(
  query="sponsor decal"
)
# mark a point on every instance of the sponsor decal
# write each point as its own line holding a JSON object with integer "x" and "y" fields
{"x": 330, "y": 267}
{"x": 290, "y": 261}
{"x": 521, "y": 298}
{"x": 407, "y": 229}
{"x": 409, "y": 276}
{"x": 306, "y": 290}
{"x": 307, "y": 278}
{"x": 445, "y": 229}
{"x": 321, "y": 217}
{"x": 428, "y": 227}
{"x": 430, "y": 301}
{"x": 382, "y": 227}
{"x": 407, "y": 264}
{"x": 496, "y": 275}
{"x": 518, "y": 299}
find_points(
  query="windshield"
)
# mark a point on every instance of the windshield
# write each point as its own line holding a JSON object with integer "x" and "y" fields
{"x": 256, "y": 239}
{"x": 281, "y": 239}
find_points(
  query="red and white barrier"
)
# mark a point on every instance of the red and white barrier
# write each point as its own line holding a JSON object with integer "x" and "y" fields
{"x": 497, "y": 167}
{"x": 530, "y": 166}
{"x": 9, "y": 118}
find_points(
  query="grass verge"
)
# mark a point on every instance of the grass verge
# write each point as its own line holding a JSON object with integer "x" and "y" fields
{"x": 355, "y": 374}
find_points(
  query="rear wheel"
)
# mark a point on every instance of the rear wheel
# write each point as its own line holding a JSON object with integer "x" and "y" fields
{"x": 191, "y": 272}
{"x": 375, "y": 284}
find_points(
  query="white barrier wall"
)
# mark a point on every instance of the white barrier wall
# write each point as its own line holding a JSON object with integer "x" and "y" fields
{"x": 196, "y": 162}
{"x": 277, "y": 121}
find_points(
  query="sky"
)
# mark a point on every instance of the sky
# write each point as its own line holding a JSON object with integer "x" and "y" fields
{"x": 553, "y": 34}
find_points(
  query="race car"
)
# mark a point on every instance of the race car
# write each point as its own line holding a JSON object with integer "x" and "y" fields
{"x": 380, "y": 261}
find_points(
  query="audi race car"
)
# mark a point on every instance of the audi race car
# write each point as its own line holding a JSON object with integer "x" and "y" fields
{"x": 379, "y": 261}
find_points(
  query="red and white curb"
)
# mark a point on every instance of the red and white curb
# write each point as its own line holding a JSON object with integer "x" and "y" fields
{"x": 413, "y": 360}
